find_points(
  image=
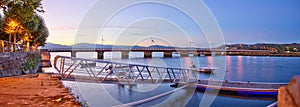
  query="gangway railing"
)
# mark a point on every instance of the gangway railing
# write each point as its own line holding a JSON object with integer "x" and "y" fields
{"x": 125, "y": 73}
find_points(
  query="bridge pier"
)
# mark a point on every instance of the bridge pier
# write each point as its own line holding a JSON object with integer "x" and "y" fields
{"x": 199, "y": 53}
{"x": 195, "y": 53}
{"x": 125, "y": 54}
{"x": 148, "y": 54}
{"x": 100, "y": 54}
{"x": 207, "y": 53}
{"x": 184, "y": 54}
{"x": 73, "y": 53}
{"x": 168, "y": 54}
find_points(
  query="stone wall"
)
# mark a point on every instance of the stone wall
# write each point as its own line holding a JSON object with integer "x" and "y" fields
{"x": 289, "y": 96}
{"x": 12, "y": 63}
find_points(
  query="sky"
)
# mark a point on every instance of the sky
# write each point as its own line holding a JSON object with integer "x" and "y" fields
{"x": 155, "y": 23}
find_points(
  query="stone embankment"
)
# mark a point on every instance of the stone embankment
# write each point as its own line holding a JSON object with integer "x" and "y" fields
{"x": 35, "y": 90}
{"x": 289, "y": 96}
{"x": 16, "y": 63}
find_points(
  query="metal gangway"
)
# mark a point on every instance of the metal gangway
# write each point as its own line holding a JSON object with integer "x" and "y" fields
{"x": 125, "y": 73}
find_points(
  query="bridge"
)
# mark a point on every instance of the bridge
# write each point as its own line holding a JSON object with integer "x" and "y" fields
{"x": 100, "y": 70}
{"x": 167, "y": 52}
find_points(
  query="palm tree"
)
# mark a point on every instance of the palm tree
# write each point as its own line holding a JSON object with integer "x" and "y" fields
{"x": 31, "y": 27}
{"x": 41, "y": 33}
{"x": 3, "y": 35}
{"x": 36, "y": 32}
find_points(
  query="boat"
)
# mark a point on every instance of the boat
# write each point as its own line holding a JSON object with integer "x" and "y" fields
{"x": 203, "y": 69}
{"x": 240, "y": 88}
{"x": 206, "y": 70}
{"x": 85, "y": 65}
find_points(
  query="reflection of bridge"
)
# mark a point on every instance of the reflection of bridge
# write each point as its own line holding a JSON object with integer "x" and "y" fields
{"x": 167, "y": 52}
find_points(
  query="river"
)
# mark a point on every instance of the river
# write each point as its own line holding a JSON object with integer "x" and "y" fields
{"x": 232, "y": 68}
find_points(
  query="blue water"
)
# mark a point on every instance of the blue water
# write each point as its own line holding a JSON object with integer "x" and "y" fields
{"x": 238, "y": 68}
{"x": 234, "y": 68}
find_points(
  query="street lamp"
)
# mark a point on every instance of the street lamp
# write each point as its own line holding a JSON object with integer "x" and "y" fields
{"x": 12, "y": 27}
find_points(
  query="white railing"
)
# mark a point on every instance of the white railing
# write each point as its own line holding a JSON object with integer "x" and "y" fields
{"x": 100, "y": 70}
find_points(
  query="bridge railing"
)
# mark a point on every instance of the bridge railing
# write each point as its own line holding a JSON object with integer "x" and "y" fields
{"x": 100, "y": 70}
{"x": 153, "y": 49}
{"x": 123, "y": 49}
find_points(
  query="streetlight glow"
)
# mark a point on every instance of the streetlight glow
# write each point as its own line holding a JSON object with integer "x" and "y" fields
{"x": 13, "y": 24}
{"x": 12, "y": 29}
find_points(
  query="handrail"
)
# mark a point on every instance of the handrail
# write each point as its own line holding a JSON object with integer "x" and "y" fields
{"x": 123, "y": 71}
{"x": 103, "y": 61}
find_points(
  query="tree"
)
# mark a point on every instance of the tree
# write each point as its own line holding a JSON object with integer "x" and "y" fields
{"x": 21, "y": 10}
{"x": 41, "y": 34}
{"x": 37, "y": 32}
{"x": 31, "y": 27}
{"x": 3, "y": 35}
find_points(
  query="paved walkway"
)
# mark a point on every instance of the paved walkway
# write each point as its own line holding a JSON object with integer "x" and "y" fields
{"x": 34, "y": 90}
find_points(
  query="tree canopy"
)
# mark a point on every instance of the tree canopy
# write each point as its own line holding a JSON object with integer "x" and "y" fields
{"x": 23, "y": 13}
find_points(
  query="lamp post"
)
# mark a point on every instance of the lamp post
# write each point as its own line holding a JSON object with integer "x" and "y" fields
{"x": 12, "y": 27}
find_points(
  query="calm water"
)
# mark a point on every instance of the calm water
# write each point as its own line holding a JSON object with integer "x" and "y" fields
{"x": 235, "y": 68}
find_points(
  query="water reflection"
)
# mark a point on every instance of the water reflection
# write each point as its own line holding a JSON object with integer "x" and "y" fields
{"x": 210, "y": 61}
{"x": 228, "y": 66}
{"x": 188, "y": 62}
{"x": 240, "y": 67}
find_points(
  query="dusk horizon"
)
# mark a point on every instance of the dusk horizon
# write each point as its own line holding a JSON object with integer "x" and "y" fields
{"x": 249, "y": 22}
{"x": 150, "y": 53}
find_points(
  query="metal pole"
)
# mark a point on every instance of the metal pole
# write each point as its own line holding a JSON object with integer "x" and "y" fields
{"x": 102, "y": 40}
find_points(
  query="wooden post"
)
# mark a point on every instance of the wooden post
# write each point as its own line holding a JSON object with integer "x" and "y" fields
{"x": 2, "y": 46}
{"x": 27, "y": 46}
{"x": 15, "y": 41}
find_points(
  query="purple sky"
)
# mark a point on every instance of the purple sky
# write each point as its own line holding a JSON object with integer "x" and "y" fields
{"x": 241, "y": 21}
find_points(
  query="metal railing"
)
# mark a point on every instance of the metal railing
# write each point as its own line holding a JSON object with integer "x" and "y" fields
{"x": 100, "y": 70}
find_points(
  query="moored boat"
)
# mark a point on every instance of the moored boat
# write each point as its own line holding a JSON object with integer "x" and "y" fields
{"x": 204, "y": 69}
{"x": 240, "y": 87}
{"x": 92, "y": 64}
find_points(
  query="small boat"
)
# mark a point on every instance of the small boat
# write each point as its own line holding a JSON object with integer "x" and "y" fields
{"x": 83, "y": 65}
{"x": 203, "y": 69}
{"x": 206, "y": 70}
{"x": 239, "y": 88}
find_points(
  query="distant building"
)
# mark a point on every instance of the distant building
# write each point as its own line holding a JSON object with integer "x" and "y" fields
{"x": 295, "y": 50}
